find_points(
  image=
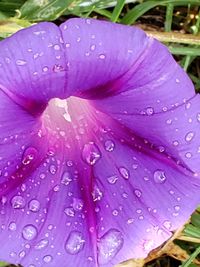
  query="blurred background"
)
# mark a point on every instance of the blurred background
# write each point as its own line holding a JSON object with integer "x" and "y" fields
{"x": 176, "y": 23}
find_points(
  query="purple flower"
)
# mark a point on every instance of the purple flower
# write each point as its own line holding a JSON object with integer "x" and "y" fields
{"x": 107, "y": 174}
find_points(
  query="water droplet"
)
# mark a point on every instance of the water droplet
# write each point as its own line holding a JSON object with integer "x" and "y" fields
{"x": 58, "y": 68}
{"x": 42, "y": 244}
{"x": 29, "y": 232}
{"x": 159, "y": 176}
{"x": 34, "y": 205}
{"x": 77, "y": 204}
{"x": 148, "y": 245}
{"x": 97, "y": 194}
{"x": 53, "y": 169}
{"x": 66, "y": 178}
{"x": 12, "y": 226}
{"x": 91, "y": 153}
{"x": 138, "y": 193}
{"x": 75, "y": 242}
{"x": 109, "y": 245}
{"x": 47, "y": 258}
{"x": 45, "y": 69}
{"x": 189, "y": 136}
{"x": 112, "y": 179}
{"x": 29, "y": 155}
{"x": 69, "y": 212}
{"x": 124, "y": 172}
{"x": 21, "y": 62}
{"x": 188, "y": 155}
{"x": 102, "y": 56}
{"x": 56, "y": 47}
{"x": 149, "y": 111}
{"x": 92, "y": 47}
{"x": 167, "y": 225}
{"x": 18, "y": 202}
{"x": 109, "y": 145}
{"x": 198, "y": 117}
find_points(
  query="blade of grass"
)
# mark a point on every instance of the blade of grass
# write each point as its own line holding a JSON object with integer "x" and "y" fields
{"x": 103, "y": 12}
{"x": 187, "y": 51}
{"x": 191, "y": 258}
{"x": 169, "y": 17}
{"x": 142, "y": 8}
{"x": 117, "y": 10}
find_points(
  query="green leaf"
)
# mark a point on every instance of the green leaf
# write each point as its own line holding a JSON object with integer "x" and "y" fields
{"x": 10, "y": 26}
{"x": 39, "y": 10}
{"x": 142, "y": 8}
{"x": 117, "y": 10}
{"x": 191, "y": 258}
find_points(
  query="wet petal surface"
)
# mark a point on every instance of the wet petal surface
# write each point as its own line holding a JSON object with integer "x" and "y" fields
{"x": 93, "y": 181}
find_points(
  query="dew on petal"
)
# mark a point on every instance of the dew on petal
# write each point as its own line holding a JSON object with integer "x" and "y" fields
{"x": 66, "y": 178}
{"x": 189, "y": 136}
{"x": 18, "y": 202}
{"x": 69, "y": 211}
{"x": 77, "y": 204}
{"x": 97, "y": 194}
{"x": 29, "y": 232}
{"x": 124, "y": 172}
{"x": 21, "y": 62}
{"x": 12, "y": 226}
{"x": 75, "y": 243}
{"x": 91, "y": 153}
{"x": 47, "y": 258}
{"x": 159, "y": 176}
{"x": 29, "y": 155}
{"x": 34, "y": 205}
{"x": 167, "y": 225}
{"x": 53, "y": 169}
{"x": 109, "y": 145}
{"x": 149, "y": 111}
{"x": 42, "y": 244}
{"x": 112, "y": 179}
{"x": 109, "y": 245}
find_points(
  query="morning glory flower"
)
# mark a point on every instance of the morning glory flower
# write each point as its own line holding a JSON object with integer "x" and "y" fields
{"x": 100, "y": 145}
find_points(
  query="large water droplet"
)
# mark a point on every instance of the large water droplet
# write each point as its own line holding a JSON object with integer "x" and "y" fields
{"x": 109, "y": 245}
{"x": 91, "y": 153}
{"x": 124, "y": 172}
{"x": 75, "y": 242}
{"x": 18, "y": 202}
{"x": 34, "y": 205}
{"x": 159, "y": 176}
{"x": 66, "y": 178}
{"x": 29, "y": 155}
{"x": 109, "y": 145}
{"x": 29, "y": 232}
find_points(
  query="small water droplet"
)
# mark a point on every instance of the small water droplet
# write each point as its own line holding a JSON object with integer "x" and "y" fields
{"x": 66, "y": 178}
{"x": 149, "y": 111}
{"x": 18, "y": 202}
{"x": 34, "y": 205}
{"x": 77, "y": 204}
{"x": 75, "y": 243}
{"x": 102, "y": 56}
{"x": 56, "y": 47}
{"x": 91, "y": 153}
{"x": 167, "y": 225}
{"x": 29, "y": 232}
{"x": 42, "y": 244}
{"x": 198, "y": 117}
{"x": 109, "y": 145}
{"x": 112, "y": 179}
{"x": 159, "y": 176}
{"x": 188, "y": 155}
{"x": 53, "y": 169}
{"x": 109, "y": 245}
{"x": 29, "y": 155}
{"x": 20, "y": 62}
{"x": 138, "y": 193}
{"x": 69, "y": 212}
{"x": 189, "y": 136}
{"x": 58, "y": 68}
{"x": 92, "y": 47}
{"x": 148, "y": 245}
{"x": 97, "y": 194}
{"x": 12, "y": 226}
{"x": 47, "y": 258}
{"x": 124, "y": 172}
